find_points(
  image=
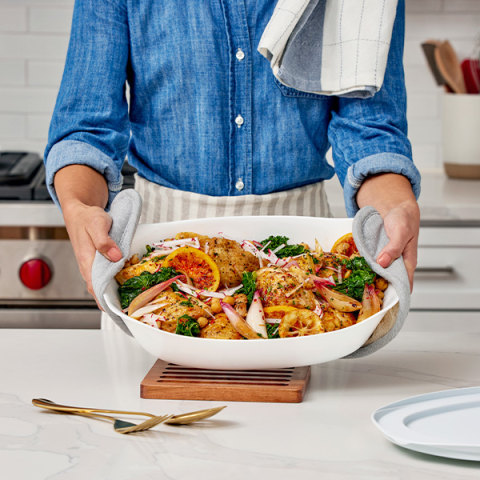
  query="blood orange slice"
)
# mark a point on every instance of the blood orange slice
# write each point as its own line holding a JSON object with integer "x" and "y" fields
{"x": 345, "y": 245}
{"x": 196, "y": 265}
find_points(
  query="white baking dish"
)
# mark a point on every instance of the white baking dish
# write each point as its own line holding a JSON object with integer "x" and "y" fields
{"x": 249, "y": 354}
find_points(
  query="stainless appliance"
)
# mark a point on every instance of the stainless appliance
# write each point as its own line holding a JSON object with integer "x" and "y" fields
{"x": 40, "y": 285}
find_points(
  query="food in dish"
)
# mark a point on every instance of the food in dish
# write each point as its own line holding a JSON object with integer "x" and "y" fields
{"x": 215, "y": 287}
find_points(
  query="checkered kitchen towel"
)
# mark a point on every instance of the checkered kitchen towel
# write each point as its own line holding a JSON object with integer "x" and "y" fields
{"x": 330, "y": 47}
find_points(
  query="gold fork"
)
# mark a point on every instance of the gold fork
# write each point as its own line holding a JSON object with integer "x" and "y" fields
{"x": 126, "y": 427}
{"x": 121, "y": 426}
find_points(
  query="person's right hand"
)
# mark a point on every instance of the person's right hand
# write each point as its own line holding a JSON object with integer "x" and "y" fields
{"x": 88, "y": 228}
{"x": 83, "y": 195}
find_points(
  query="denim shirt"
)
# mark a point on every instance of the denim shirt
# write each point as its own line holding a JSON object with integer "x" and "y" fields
{"x": 206, "y": 114}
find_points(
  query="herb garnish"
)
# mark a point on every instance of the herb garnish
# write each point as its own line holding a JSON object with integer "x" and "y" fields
{"x": 136, "y": 285}
{"x": 186, "y": 303}
{"x": 362, "y": 274}
{"x": 187, "y": 326}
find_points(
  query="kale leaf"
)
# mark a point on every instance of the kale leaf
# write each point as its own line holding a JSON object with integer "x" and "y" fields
{"x": 249, "y": 285}
{"x": 149, "y": 249}
{"x": 275, "y": 241}
{"x": 187, "y": 326}
{"x": 362, "y": 274}
{"x": 136, "y": 285}
{"x": 272, "y": 330}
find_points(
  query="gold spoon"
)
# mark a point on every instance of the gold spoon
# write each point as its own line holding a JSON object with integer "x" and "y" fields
{"x": 182, "y": 419}
{"x": 121, "y": 426}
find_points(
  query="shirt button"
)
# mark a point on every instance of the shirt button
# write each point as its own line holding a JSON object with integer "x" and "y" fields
{"x": 239, "y": 185}
{"x": 240, "y": 55}
{"x": 239, "y": 120}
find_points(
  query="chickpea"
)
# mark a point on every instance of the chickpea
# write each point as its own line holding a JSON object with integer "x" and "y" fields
{"x": 381, "y": 283}
{"x": 202, "y": 321}
{"x": 215, "y": 305}
{"x": 229, "y": 300}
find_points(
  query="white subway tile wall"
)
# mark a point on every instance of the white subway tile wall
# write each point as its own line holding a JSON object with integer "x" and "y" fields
{"x": 34, "y": 40}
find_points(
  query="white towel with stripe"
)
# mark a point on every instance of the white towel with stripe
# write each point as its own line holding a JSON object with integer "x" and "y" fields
{"x": 330, "y": 47}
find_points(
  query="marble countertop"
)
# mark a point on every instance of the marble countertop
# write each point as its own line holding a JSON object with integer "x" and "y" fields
{"x": 443, "y": 200}
{"x": 328, "y": 435}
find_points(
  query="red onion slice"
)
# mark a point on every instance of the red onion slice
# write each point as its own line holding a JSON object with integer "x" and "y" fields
{"x": 151, "y": 307}
{"x": 239, "y": 323}
{"x": 148, "y": 295}
{"x": 181, "y": 242}
{"x": 256, "y": 316}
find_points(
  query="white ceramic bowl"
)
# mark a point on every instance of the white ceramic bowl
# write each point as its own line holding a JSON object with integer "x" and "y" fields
{"x": 249, "y": 354}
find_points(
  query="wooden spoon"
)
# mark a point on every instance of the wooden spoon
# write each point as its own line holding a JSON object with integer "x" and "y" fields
{"x": 429, "y": 47}
{"x": 449, "y": 67}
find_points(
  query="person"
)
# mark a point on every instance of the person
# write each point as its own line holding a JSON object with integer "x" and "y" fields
{"x": 207, "y": 122}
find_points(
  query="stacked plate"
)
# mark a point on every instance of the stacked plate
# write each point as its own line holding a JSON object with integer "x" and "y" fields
{"x": 445, "y": 423}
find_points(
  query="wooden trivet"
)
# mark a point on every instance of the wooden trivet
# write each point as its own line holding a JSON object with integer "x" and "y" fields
{"x": 168, "y": 381}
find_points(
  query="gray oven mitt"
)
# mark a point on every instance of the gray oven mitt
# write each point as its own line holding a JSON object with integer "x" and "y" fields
{"x": 370, "y": 238}
{"x": 125, "y": 212}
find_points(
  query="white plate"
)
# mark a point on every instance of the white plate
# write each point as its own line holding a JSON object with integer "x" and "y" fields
{"x": 249, "y": 354}
{"x": 446, "y": 423}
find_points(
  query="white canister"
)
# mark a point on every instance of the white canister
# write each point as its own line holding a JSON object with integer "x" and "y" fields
{"x": 461, "y": 135}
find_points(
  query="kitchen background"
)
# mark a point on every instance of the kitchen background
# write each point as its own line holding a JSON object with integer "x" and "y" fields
{"x": 34, "y": 39}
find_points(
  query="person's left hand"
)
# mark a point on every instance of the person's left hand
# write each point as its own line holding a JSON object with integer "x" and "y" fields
{"x": 392, "y": 196}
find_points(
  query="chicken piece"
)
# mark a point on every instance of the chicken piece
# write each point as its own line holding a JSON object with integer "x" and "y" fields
{"x": 278, "y": 286}
{"x": 330, "y": 266}
{"x": 241, "y": 304}
{"x": 231, "y": 259}
{"x": 306, "y": 263}
{"x": 220, "y": 327}
{"x": 172, "y": 305}
{"x": 134, "y": 270}
{"x": 169, "y": 325}
{"x": 334, "y": 320}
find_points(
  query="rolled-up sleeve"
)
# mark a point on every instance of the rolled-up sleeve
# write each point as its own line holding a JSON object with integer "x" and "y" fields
{"x": 90, "y": 123}
{"x": 369, "y": 136}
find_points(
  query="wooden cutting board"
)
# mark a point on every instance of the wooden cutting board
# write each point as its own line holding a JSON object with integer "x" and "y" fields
{"x": 168, "y": 381}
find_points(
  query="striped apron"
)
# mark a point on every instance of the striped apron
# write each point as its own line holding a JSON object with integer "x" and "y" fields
{"x": 161, "y": 204}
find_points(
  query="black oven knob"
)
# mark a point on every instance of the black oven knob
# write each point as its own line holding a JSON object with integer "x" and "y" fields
{"x": 35, "y": 273}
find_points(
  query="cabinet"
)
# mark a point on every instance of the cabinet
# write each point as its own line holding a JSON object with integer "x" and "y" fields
{"x": 448, "y": 270}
